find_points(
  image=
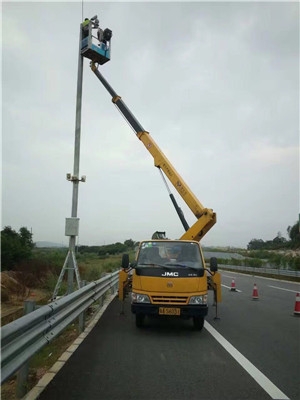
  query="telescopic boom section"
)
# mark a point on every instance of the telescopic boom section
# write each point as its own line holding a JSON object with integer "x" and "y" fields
{"x": 206, "y": 218}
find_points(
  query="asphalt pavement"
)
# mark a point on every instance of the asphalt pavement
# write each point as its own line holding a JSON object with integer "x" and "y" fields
{"x": 251, "y": 353}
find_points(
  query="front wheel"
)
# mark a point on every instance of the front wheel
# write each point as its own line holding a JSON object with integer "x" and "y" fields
{"x": 139, "y": 320}
{"x": 198, "y": 323}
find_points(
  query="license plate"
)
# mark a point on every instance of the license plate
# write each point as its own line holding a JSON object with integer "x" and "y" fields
{"x": 169, "y": 311}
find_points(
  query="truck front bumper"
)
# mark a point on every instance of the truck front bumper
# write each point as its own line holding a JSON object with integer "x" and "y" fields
{"x": 185, "y": 311}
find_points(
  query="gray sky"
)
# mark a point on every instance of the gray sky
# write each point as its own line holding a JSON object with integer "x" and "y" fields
{"x": 216, "y": 85}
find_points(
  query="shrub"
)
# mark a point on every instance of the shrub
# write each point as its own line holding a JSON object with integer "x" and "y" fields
{"x": 253, "y": 262}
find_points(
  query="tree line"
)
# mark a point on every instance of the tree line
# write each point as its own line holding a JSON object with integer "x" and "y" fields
{"x": 109, "y": 249}
{"x": 278, "y": 242}
{"x": 18, "y": 246}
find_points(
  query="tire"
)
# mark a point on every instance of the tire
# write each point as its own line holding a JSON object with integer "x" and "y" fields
{"x": 198, "y": 323}
{"x": 139, "y": 320}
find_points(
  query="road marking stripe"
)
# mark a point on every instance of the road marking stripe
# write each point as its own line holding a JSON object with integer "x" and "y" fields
{"x": 288, "y": 290}
{"x": 229, "y": 287}
{"x": 258, "y": 376}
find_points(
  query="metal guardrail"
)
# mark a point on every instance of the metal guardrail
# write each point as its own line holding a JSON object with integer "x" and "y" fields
{"x": 265, "y": 270}
{"x": 24, "y": 337}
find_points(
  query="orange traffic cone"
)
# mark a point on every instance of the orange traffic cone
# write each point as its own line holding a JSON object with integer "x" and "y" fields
{"x": 255, "y": 292}
{"x": 233, "y": 288}
{"x": 297, "y": 305}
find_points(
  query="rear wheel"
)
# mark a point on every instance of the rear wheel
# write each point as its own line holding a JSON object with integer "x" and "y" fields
{"x": 139, "y": 320}
{"x": 198, "y": 323}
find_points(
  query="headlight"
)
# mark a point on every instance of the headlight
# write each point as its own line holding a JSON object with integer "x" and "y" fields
{"x": 139, "y": 298}
{"x": 198, "y": 299}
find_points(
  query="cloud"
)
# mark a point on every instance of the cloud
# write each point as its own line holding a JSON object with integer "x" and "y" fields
{"x": 271, "y": 155}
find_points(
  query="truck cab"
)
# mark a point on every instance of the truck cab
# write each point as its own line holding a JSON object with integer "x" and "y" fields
{"x": 169, "y": 279}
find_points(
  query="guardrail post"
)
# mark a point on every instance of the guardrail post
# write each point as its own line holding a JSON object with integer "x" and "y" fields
{"x": 101, "y": 301}
{"x": 81, "y": 318}
{"x": 22, "y": 375}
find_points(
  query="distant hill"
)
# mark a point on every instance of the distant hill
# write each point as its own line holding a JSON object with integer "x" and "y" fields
{"x": 49, "y": 244}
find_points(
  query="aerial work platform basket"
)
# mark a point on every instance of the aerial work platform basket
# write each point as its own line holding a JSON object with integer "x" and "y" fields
{"x": 97, "y": 49}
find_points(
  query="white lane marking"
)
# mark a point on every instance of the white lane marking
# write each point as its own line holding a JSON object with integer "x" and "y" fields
{"x": 227, "y": 276}
{"x": 229, "y": 287}
{"x": 288, "y": 290}
{"x": 256, "y": 374}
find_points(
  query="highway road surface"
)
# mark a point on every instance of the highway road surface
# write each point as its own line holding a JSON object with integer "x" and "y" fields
{"x": 251, "y": 353}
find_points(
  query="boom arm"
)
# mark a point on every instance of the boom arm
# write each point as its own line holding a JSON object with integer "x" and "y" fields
{"x": 206, "y": 218}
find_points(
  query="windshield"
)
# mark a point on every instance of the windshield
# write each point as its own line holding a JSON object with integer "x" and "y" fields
{"x": 170, "y": 253}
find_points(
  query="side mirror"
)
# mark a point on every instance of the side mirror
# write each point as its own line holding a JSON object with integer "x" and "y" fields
{"x": 125, "y": 261}
{"x": 213, "y": 264}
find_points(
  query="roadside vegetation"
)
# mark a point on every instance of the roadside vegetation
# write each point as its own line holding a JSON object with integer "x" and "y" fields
{"x": 39, "y": 268}
{"x": 278, "y": 253}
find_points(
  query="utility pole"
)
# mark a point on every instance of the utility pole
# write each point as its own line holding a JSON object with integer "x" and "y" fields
{"x": 99, "y": 55}
{"x": 72, "y": 224}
